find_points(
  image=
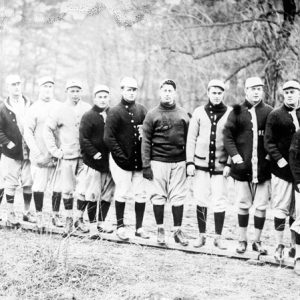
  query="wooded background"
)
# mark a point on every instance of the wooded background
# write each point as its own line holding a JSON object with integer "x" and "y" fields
{"x": 190, "y": 41}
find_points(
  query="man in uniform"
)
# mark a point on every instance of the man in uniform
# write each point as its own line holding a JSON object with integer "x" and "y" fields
{"x": 207, "y": 159}
{"x": 244, "y": 142}
{"x": 64, "y": 121}
{"x": 123, "y": 138}
{"x": 163, "y": 150}
{"x": 43, "y": 165}
{"x": 15, "y": 162}
{"x": 95, "y": 182}
{"x": 281, "y": 125}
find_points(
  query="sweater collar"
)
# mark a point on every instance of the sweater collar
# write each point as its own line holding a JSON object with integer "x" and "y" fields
{"x": 221, "y": 107}
{"x": 167, "y": 106}
{"x": 7, "y": 103}
{"x": 98, "y": 109}
{"x": 249, "y": 105}
{"x": 127, "y": 103}
{"x": 288, "y": 107}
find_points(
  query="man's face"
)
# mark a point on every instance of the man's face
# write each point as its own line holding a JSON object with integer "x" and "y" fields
{"x": 46, "y": 91}
{"x": 215, "y": 95}
{"x": 14, "y": 89}
{"x": 291, "y": 97}
{"x": 254, "y": 94}
{"x": 74, "y": 94}
{"x": 101, "y": 99}
{"x": 129, "y": 93}
{"x": 167, "y": 94}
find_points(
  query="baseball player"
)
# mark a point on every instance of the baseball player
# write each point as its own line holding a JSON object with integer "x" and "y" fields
{"x": 123, "y": 138}
{"x": 163, "y": 151}
{"x": 64, "y": 121}
{"x": 43, "y": 165}
{"x": 207, "y": 159}
{"x": 95, "y": 180}
{"x": 281, "y": 125}
{"x": 244, "y": 142}
{"x": 294, "y": 163}
{"x": 15, "y": 162}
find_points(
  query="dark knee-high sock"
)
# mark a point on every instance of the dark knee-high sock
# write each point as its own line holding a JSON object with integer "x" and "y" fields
{"x": 1, "y": 195}
{"x": 56, "y": 200}
{"x": 159, "y": 211}
{"x": 120, "y": 208}
{"x": 201, "y": 218}
{"x": 139, "y": 214}
{"x": 103, "y": 210}
{"x": 259, "y": 222}
{"x": 68, "y": 203}
{"x": 219, "y": 221}
{"x": 297, "y": 235}
{"x": 177, "y": 215}
{"x": 27, "y": 200}
{"x": 291, "y": 221}
{"x": 243, "y": 220}
{"x": 279, "y": 224}
{"x": 91, "y": 211}
{"x": 10, "y": 199}
{"x": 38, "y": 198}
{"x": 81, "y": 205}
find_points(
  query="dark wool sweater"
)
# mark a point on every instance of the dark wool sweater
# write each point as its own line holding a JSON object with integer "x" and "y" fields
{"x": 294, "y": 158}
{"x": 238, "y": 139}
{"x": 164, "y": 134}
{"x": 279, "y": 133}
{"x": 91, "y": 132}
{"x": 9, "y": 131}
{"x": 121, "y": 134}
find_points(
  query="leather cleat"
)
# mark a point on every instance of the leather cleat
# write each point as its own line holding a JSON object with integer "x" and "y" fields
{"x": 242, "y": 247}
{"x": 29, "y": 217}
{"x": 279, "y": 253}
{"x": 104, "y": 228}
{"x": 161, "y": 236}
{"x": 122, "y": 234}
{"x": 292, "y": 252}
{"x": 180, "y": 238}
{"x": 219, "y": 243}
{"x": 12, "y": 220}
{"x": 256, "y": 246}
{"x": 81, "y": 226}
{"x": 68, "y": 226}
{"x": 297, "y": 266}
{"x": 56, "y": 221}
{"x": 200, "y": 241}
{"x": 141, "y": 233}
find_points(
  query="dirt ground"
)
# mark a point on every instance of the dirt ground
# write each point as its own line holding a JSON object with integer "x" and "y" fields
{"x": 48, "y": 267}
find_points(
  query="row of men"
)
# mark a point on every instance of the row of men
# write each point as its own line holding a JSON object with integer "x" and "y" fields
{"x": 105, "y": 153}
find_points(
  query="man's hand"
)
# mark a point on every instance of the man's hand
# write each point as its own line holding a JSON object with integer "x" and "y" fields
{"x": 226, "y": 171}
{"x": 282, "y": 163}
{"x": 10, "y": 145}
{"x": 97, "y": 156}
{"x": 140, "y": 129}
{"x": 190, "y": 170}
{"x": 237, "y": 159}
{"x": 148, "y": 173}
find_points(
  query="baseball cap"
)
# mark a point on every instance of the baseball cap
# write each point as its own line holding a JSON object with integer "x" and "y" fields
{"x": 101, "y": 88}
{"x": 44, "y": 80}
{"x": 216, "y": 83}
{"x": 10, "y": 79}
{"x": 129, "y": 82}
{"x": 253, "y": 81}
{"x": 74, "y": 83}
{"x": 291, "y": 84}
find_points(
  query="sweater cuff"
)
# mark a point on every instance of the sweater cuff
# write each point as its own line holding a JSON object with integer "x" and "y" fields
{"x": 190, "y": 163}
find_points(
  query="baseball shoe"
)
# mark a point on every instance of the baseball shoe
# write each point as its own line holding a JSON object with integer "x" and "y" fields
{"x": 81, "y": 226}
{"x": 242, "y": 247}
{"x": 297, "y": 266}
{"x": 122, "y": 234}
{"x": 141, "y": 233}
{"x": 29, "y": 217}
{"x": 56, "y": 221}
{"x": 200, "y": 241}
{"x": 256, "y": 246}
{"x": 219, "y": 243}
{"x": 104, "y": 228}
{"x": 279, "y": 253}
{"x": 68, "y": 226}
{"x": 161, "y": 236}
{"x": 180, "y": 238}
{"x": 292, "y": 252}
{"x": 12, "y": 220}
